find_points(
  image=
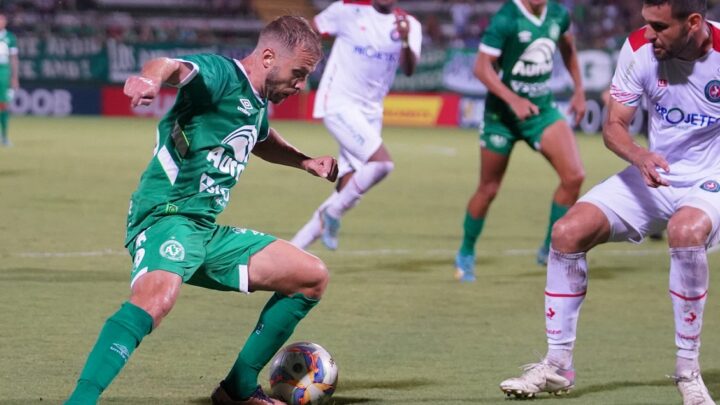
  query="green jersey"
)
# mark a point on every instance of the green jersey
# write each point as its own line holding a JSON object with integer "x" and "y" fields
{"x": 203, "y": 144}
{"x": 524, "y": 44}
{"x": 8, "y": 46}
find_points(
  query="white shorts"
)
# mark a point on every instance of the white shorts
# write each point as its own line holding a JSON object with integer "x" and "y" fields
{"x": 635, "y": 210}
{"x": 358, "y": 136}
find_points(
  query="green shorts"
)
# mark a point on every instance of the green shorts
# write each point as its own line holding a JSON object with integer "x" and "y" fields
{"x": 212, "y": 257}
{"x": 499, "y": 133}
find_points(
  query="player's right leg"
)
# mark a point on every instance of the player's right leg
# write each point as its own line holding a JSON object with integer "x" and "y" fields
{"x": 584, "y": 226}
{"x": 493, "y": 164}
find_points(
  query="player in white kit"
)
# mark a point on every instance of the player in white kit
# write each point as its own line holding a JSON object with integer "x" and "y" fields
{"x": 372, "y": 39}
{"x": 673, "y": 184}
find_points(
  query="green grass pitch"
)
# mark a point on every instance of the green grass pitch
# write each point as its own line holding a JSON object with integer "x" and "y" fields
{"x": 401, "y": 329}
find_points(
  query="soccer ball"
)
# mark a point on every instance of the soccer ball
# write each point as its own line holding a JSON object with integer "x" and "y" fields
{"x": 303, "y": 373}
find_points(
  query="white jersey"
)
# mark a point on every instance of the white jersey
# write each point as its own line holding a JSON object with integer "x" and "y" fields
{"x": 683, "y": 102}
{"x": 364, "y": 57}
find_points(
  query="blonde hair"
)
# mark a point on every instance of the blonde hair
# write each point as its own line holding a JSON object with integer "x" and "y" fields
{"x": 293, "y": 32}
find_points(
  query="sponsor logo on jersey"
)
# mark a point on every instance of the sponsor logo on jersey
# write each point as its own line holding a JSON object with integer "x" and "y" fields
{"x": 536, "y": 60}
{"x": 172, "y": 250}
{"x": 524, "y": 36}
{"x": 711, "y": 186}
{"x": 712, "y": 91}
{"x": 677, "y": 116}
{"x": 207, "y": 185}
{"x": 245, "y": 106}
{"x": 372, "y": 53}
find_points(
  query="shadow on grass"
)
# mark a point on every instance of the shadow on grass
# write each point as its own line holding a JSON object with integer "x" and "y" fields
{"x": 596, "y": 273}
{"x": 711, "y": 378}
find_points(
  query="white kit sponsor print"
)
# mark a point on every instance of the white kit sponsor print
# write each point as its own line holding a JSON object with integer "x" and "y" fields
{"x": 364, "y": 57}
{"x": 683, "y": 103}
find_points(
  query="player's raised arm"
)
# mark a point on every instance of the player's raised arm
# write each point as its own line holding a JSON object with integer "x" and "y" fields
{"x": 566, "y": 43}
{"x": 484, "y": 70}
{"x": 143, "y": 88}
{"x": 617, "y": 138}
{"x": 275, "y": 149}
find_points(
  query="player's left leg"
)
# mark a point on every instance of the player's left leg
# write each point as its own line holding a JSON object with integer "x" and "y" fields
{"x": 560, "y": 149}
{"x": 689, "y": 231}
{"x": 298, "y": 280}
{"x": 5, "y": 97}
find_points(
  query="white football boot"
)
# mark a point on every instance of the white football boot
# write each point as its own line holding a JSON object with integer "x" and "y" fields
{"x": 539, "y": 377}
{"x": 692, "y": 388}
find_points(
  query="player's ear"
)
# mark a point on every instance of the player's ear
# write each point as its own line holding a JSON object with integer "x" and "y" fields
{"x": 268, "y": 57}
{"x": 695, "y": 22}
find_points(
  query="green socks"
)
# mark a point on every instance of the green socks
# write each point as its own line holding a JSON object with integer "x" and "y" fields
{"x": 4, "y": 125}
{"x": 472, "y": 228}
{"x": 121, "y": 334}
{"x": 277, "y": 322}
{"x": 556, "y": 212}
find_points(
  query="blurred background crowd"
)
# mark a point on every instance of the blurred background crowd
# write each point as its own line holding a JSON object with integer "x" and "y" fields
{"x": 598, "y": 24}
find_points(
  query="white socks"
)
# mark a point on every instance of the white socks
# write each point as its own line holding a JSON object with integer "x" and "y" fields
{"x": 313, "y": 228}
{"x": 362, "y": 180}
{"x": 564, "y": 294}
{"x": 689, "y": 281}
{"x": 338, "y": 203}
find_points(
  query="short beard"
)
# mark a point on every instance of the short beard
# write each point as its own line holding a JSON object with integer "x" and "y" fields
{"x": 272, "y": 83}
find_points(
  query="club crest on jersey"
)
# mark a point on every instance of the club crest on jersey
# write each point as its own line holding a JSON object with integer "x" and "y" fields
{"x": 711, "y": 186}
{"x": 395, "y": 35}
{"x": 712, "y": 91}
{"x": 172, "y": 250}
{"x": 662, "y": 83}
{"x": 554, "y": 31}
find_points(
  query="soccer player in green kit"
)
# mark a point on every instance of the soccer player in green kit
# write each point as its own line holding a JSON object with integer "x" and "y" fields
{"x": 521, "y": 40}
{"x": 9, "y": 81}
{"x": 202, "y": 147}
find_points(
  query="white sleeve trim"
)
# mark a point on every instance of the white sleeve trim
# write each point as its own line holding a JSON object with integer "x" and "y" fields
{"x": 190, "y": 76}
{"x": 490, "y": 50}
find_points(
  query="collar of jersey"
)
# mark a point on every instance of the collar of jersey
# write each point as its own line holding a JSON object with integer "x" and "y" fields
{"x": 255, "y": 92}
{"x": 533, "y": 19}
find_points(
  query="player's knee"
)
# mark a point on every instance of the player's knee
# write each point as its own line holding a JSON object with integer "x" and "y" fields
{"x": 573, "y": 181}
{"x": 687, "y": 233}
{"x": 488, "y": 190}
{"x": 315, "y": 278}
{"x": 565, "y": 234}
{"x": 157, "y": 305}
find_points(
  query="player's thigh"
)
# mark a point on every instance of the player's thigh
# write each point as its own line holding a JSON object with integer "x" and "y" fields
{"x": 284, "y": 268}
{"x": 705, "y": 196}
{"x": 558, "y": 146}
{"x": 493, "y": 166}
{"x": 174, "y": 244}
{"x": 227, "y": 261}
{"x": 359, "y": 136}
{"x": 632, "y": 208}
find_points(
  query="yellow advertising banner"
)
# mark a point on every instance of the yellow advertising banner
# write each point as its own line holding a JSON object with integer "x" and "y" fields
{"x": 412, "y": 110}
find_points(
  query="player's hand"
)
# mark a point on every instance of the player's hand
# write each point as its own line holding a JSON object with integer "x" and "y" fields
{"x": 648, "y": 163}
{"x": 324, "y": 166}
{"x": 577, "y": 106}
{"x": 524, "y": 108}
{"x": 402, "y": 24}
{"x": 141, "y": 90}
